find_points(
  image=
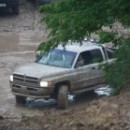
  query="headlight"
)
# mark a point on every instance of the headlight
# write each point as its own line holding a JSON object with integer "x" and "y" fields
{"x": 11, "y": 78}
{"x": 44, "y": 84}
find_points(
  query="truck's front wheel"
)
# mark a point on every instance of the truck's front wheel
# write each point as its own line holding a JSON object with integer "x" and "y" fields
{"x": 63, "y": 97}
{"x": 20, "y": 99}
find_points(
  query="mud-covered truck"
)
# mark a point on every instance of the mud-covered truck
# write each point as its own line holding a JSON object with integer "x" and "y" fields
{"x": 71, "y": 69}
{"x": 8, "y": 5}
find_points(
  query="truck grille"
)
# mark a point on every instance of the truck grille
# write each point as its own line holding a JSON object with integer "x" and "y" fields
{"x": 25, "y": 80}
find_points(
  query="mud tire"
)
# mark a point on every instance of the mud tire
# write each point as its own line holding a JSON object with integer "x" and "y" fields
{"x": 63, "y": 97}
{"x": 20, "y": 100}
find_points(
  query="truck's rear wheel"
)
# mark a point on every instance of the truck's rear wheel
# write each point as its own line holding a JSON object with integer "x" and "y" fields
{"x": 63, "y": 97}
{"x": 20, "y": 99}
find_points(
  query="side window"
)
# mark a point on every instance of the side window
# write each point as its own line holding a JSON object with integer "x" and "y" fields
{"x": 84, "y": 58}
{"x": 96, "y": 56}
{"x": 89, "y": 57}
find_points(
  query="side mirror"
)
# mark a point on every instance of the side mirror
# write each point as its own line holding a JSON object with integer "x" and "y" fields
{"x": 79, "y": 64}
{"x": 38, "y": 55}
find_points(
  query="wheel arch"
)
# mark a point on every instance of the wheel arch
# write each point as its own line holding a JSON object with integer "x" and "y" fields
{"x": 66, "y": 82}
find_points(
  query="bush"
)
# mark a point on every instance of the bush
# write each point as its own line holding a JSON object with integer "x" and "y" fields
{"x": 118, "y": 74}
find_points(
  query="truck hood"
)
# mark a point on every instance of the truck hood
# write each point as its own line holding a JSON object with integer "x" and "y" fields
{"x": 39, "y": 70}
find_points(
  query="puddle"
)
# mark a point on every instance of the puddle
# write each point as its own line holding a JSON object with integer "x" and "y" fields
{"x": 40, "y": 103}
{"x": 103, "y": 91}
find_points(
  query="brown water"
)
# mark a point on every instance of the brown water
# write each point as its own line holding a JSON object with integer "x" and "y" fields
{"x": 13, "y": 42}
{"x": 8, "y": 42}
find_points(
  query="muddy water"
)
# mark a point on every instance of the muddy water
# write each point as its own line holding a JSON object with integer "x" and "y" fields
{"x": 21, "y": 32}
{"x": 19, "y": 37}
{"x": 13, "y": 42}
{"x": 8, "y": 42}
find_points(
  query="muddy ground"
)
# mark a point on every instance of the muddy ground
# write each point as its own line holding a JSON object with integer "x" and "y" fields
{"x": 19, "y": 38}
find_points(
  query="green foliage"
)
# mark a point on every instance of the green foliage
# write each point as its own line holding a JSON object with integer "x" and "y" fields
{"x": 118, "y": 74}
{"x": 76, "y": 19}
{"x": 106, "y": 37}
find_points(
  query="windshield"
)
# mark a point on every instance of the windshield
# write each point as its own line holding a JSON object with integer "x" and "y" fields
{"x": 59, "y": 58}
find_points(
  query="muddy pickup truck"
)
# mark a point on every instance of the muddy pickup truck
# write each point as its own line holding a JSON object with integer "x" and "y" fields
{"x": 12, "y": 5}
{"x": 71, "y": 69}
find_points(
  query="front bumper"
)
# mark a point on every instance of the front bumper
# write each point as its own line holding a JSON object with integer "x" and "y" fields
{"x": 33, "y": 92}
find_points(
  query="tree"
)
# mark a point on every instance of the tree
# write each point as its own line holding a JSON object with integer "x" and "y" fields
{"x": 76, "y": 19}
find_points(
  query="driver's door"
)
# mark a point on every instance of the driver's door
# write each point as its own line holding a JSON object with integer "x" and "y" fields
{"x": 83, "y": 71}
{"x": 91, "y": 72}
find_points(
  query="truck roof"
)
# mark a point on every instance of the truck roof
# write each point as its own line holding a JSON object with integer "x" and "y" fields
{"x": 77, "y": 47}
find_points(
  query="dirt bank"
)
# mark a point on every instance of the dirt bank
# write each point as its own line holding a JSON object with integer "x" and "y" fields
{"x": 103, "y": 114}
